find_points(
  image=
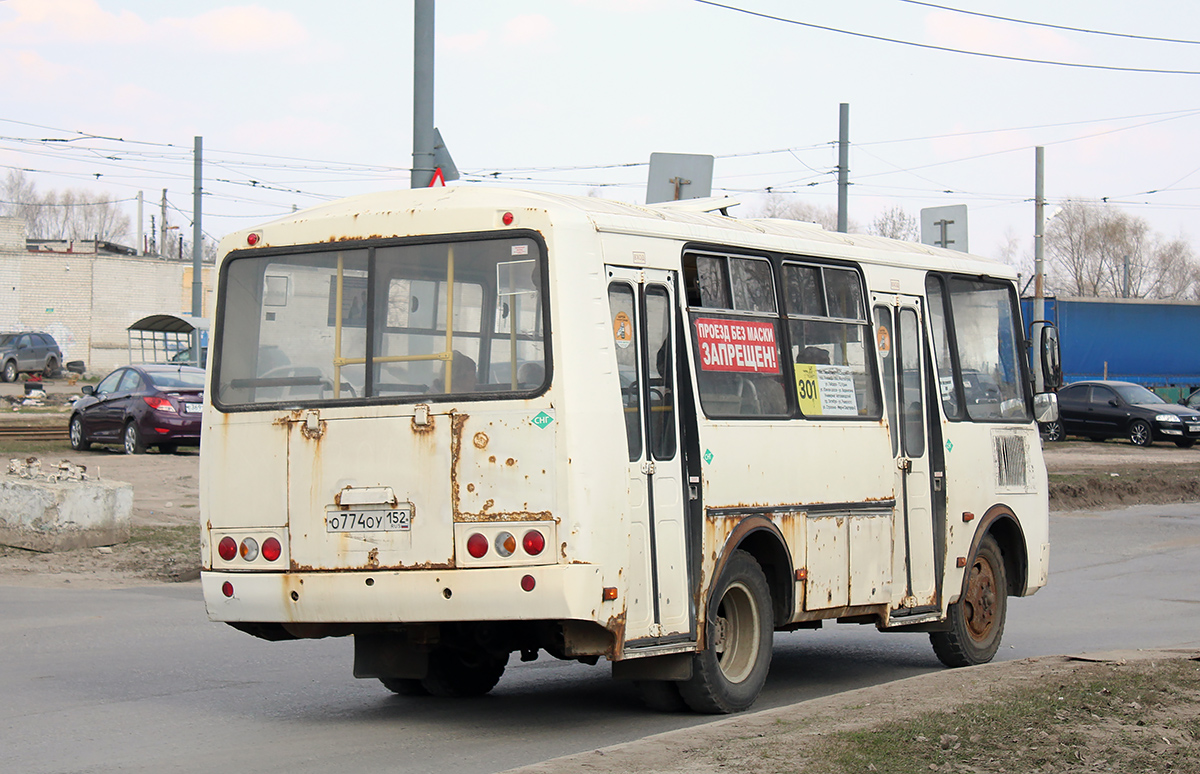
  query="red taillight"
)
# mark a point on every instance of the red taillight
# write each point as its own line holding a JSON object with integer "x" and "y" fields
{"x": 159, "y": 404}
{"x": 271, "y": 550}
{"x": 528, "y": 583}
{"x": 227, "y": 589}
{"x": 533, "y": 542}
{"x": 477, "y": 545}
{"x": 227, "y": 548}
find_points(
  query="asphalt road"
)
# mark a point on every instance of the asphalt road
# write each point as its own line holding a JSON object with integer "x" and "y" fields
{"x": 138, "y": 680}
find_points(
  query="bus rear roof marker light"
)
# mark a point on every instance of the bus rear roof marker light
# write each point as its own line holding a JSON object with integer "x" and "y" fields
{"x": 507, "y": 218}
{"x": 252, "y": 239}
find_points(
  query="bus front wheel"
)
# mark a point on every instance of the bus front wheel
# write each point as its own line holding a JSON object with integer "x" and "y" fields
{"x": 729, "y": 673}
{"x": 977, "y": 618}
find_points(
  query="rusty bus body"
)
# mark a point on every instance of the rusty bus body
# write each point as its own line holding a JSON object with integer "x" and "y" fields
{"x": 458, "y": 424}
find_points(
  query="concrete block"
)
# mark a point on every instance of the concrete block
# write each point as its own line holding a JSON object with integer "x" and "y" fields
{"x": 49, "y": 516}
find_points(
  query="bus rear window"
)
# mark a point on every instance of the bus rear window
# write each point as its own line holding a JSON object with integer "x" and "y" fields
{"x": 391, "y": 321}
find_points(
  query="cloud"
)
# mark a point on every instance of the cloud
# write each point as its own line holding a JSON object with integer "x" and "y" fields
{"x": 229, "y": 28}
{"x": 528, "y": 28}
{"x": 27, "y": 73}
{"x": 469, "y": 43}
{"x": 71, "y": 20}
{"x": 241, "y": 28}
{"x": 984, "y": 35}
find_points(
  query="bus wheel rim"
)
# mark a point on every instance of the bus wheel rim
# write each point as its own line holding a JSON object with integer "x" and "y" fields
{"x": 737, "y": 633}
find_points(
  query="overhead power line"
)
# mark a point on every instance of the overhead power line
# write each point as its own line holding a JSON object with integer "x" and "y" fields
{"x": 947, "y": 49}
{"x": 1046, "y": 25}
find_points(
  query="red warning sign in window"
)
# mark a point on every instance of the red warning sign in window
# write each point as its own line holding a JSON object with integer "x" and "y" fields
{"x": 741, "y": 346}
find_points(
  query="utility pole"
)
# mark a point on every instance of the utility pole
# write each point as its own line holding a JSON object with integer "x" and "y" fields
{"x": 197, "y": 233}
{"x": 162, "y": 224}
{"x": 843, "y": 166}
{"x": 141, "y": 240}
{"x": 1039, "y": 226}
{"x": 423, "y": 50}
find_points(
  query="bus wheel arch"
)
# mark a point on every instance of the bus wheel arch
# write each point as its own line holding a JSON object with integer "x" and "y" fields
{"x": 1002, "y": 525}
{"x": 760, "y": 537}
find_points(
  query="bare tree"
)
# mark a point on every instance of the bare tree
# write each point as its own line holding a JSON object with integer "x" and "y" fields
{"x": 895, "y": 223}
{"x": 70, "y": 214}
{"x": 789, "y": 207}
{"x": 1095, "y": 249}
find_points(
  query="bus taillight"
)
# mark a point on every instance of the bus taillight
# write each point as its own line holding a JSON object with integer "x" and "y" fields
{"x": 249, "y": 549}
{"x": 506, "y": 544}
{"x": 533, "y": 542}
{"x": 271, "y": 549}
{"x": 227, "y": 548}
{"x": 477, "y": 545}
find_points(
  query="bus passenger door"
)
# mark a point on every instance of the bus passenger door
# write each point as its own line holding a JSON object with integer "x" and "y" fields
{"x": 642, "y": 310}
{"x": 899, "y": 336}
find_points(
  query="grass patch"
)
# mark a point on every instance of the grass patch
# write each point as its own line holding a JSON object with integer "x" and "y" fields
{"x": 45, "y": 449}
{"x": 1134, "y": 717}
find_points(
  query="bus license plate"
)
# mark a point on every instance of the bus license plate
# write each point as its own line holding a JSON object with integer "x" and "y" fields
{"x": 370, "y": 520}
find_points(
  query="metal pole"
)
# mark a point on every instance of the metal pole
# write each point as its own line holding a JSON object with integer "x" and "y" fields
{"x": 141, "y": 241}
{"x": 843, "y": 165}
{"x": 423, "y": 49}
{"x": 197, "y": 232}
{"x": 162, "y": 242}
{"x": 1039, "y": 225}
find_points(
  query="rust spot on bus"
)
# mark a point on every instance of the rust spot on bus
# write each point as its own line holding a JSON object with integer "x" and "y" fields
{"x": 457, "y": 422}
{"x": 373, "y": 557}
{"x": 510, "y": 462}
{"x": 504, "y": 516}
{"x": 480, "y": 440}
{"x": 424, "y": 429}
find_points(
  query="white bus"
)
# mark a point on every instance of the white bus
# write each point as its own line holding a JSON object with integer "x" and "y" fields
{"x": 456, "y": 424}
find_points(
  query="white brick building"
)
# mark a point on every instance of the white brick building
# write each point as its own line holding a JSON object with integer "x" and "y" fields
{"x": 86, "y": 297}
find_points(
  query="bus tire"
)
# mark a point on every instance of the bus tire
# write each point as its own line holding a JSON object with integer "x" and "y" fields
{"x": 729, "y": 673}
{"x": 977, "y": 618}
{"x": 660, "y": 695}
{"x": 404, "y": 686}
{"x": 456, "y": 674}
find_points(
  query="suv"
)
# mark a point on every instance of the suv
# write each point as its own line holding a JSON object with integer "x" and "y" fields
{"x": 28, "y": 352}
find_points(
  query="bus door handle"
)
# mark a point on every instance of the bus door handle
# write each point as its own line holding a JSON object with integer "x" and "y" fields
{"x": 904, "y": 463}
{"x": 648, "y": 467}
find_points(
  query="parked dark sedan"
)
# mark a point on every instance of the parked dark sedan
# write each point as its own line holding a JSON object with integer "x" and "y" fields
{"x": 141, "y": 406}
{"x": 1108, "y": 409}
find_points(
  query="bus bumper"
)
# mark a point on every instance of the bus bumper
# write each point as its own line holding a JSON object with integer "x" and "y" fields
{"x": 560, "y": 592}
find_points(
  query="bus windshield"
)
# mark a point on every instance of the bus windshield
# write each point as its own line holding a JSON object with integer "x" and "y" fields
{"x": 392, "y": 321}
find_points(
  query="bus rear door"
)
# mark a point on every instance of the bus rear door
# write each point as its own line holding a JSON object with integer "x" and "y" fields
{"x": 642, "y": 311}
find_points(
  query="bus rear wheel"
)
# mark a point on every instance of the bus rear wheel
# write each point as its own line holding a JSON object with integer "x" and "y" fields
{"x": 458, "y": 674}
{"x": 977, "y": 618}
{"x": 729, "y": 673}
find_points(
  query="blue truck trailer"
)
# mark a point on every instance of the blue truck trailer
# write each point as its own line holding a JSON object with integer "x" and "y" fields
{"x": 1150, "y": 342}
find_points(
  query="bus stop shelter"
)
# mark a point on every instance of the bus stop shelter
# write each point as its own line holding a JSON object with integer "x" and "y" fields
{"x": 169, "y": 338}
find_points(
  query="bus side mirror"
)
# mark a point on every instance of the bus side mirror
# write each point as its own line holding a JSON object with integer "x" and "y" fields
{"x": 1045, "y": 407}
{"x": 1047, "y": 362}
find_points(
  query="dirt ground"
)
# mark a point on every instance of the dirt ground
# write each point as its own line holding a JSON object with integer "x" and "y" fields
{"x": 835, "y": 734}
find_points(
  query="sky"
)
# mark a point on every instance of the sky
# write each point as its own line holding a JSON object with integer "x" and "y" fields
{"x": 299, "y": 102}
